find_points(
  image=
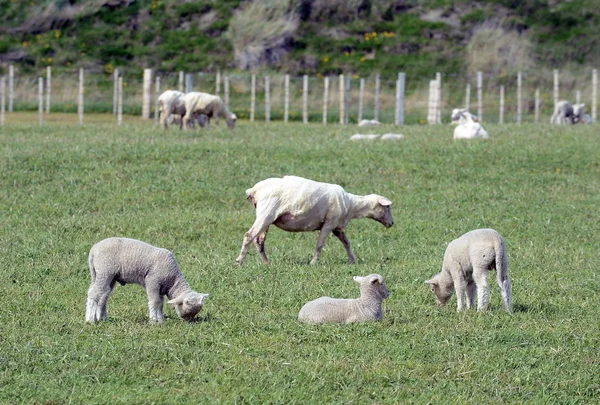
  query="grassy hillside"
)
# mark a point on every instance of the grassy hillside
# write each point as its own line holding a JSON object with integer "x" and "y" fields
{"x": 302, "y": 36}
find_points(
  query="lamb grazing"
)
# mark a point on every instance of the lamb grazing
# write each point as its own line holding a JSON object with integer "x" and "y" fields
{"x": 128, "y": 261}
{"x": 296, "y": 204}
{"x": 578, "y": 114}
{"x": 368, "y": 123}
{"x": 458, "y": 113}
{"x": 468, "y": 129}
{"x": 338, "y": 310}
{"x": 465, "y": 267}
{"x": 563, "y": 113}
{"x": 170, "y": 102}
{"x": 212, "y": 106}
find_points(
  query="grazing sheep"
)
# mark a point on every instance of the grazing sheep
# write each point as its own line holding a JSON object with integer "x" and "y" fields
{"x": 372, "y": 137}
{"x": 212, "y": 106}
{"x": 465, "y": 267}
{"x": 467, "y": 128}
{"x": 368, "y": 123}
{"x": 338, "y": 310}
{"x": 578, "y": 114}
{"x": 563, "y": 113}
{"x": 296, "y": 204}
{"x": 457, "y": 116}
{"x": 170, "y": 102}
{"x": 130, "y": 261}
{"x": 391, "y": 137}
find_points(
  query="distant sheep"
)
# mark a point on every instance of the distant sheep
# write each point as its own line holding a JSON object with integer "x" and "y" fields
{"x": 467, "y": 128}
{"x": 130, "y": 261}
{"x": 170, "y": 103}
{"x": 459, "y": 114}
{"x": 368, "y": 123}
{"x": 212, "y": 106}
{"x": 296, "y": 204}
{"x": 467, "y": 261}
{"x": 338, "y": 310}
{"x": 563, "y": 113}
{"x": 578, "y": 114}
{"x": 372, "y": 137}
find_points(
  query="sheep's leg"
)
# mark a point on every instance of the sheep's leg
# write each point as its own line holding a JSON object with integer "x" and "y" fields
{"x": 96, "y": 306}
{"x": 342, "y": 237}
{"x": 260, "y": 245}
{"x": 261, "y": 224}
{"x": 459, "y": 286}
{"x": 483, "y": 289}
{"x": 185, "y": 120}
{"x": 471, "y": 292}
{"x": 155, "y": 305}
{"x": 506, "y": 290}
{"x": 325, "y": 231}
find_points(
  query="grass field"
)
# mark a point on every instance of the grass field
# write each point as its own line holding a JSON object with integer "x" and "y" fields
{"x": 65, "y": 187}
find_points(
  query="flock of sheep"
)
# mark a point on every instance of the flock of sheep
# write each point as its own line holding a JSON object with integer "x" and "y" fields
{"x": 296, "y": 204}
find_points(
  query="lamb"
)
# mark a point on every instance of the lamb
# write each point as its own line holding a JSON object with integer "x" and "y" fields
{"x": 466, "y": 264}
{"x": 128, "y": 261}
{"x": 578, "y": 115}
{"x": 563, "y": 113}
{"x": 296, "y": 204}
{"x": 467, "y": 128}
{"x": 372, "y": 137}
{"x": 170, "y": 102}
{"x": 338, "y": 310}
{"x": 368, "y": 123}
{"x": 197, "y": 103}
{"x": 458, "y": 114}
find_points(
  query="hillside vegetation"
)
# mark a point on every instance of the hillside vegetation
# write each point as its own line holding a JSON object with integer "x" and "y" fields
{"x": 300, "y": 36}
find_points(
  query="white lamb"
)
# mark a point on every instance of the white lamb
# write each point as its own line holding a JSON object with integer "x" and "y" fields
{"x": 296, "y": 204}
{"x": 563, "y": 113}
{"x": 130, "y": 261}
{"x": 458, "y": 114}
{"x": 170, "y": 103}
{"x": 338, "y": 310}
{"x": 467, "y": 128}
{"x": 212, "y": 106}
{"x": 372, "y": 137}
{"x": 368, "y": 123}
{"x": 465, "y": 267}
{"x": 578, "y": 114}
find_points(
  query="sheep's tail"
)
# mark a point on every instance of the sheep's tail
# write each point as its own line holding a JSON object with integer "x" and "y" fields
{"x": 91, "y": 263}
{"x": 250, "y": 196}
{"x": 502, "y": 273}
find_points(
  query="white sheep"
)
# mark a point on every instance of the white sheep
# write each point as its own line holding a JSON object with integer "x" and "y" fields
{"x": 296, "y": 204}
{"x": 368, "y": 123}
{"x": 130, "y": 261}
{"x": 372, "y": 137}
{"x": 465, "y": 268}
{"x": 212, "y": 106}
{"x": 467, "y": 128}
{"x": 563, "y": 113}
{"x": 458, "y": 116}
{"x": 338, "y": 310}
{"x": 170, "y": 103}
{"x": 578, "y": 114}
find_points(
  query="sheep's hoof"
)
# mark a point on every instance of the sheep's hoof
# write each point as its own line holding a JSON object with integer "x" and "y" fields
{"x": 240, "y": 260}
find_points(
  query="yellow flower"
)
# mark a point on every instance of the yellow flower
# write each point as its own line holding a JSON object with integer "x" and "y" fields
{"x": 325, "y": 59}
{"x": 362, "y": 59}
{"x": 57, "y": 34}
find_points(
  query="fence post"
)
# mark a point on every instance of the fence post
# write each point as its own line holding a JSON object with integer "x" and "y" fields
{"x": 480, "y": 96}
{"x": 120, "y": 101}
{"x": 252, "y": 97}
{"x": 342, "y": 104}
{"x": 2, "y": 99}
{"x": 305, "y": 99}
{"x": 226, "y": 90}
{"x": 537, "y": 105}
{"x": 11, "y": 87}
{"x": 347, "y": 99}
{"x": 400, "y": 90}
{"x": 41, "y": 100}
{"x": 555, "y": 87}
{"x": 189, "y": 83}
{"x": 468, "y": 97}
{"x": 377, "y": 89}
{"x": 267, "y": 99}
{"x": 180, "y": 87}
{"x": 156, "y": 94}
{"x": 48, "y": 87}
{"x": 594, "y": 93}
{"x": 146, "y": 93}
{"x": 325, "y": 98}
{"x": 578, "y": 97}
{"x": 431, "y": 115}
{"x": 361, "y": 96}
{"x": 80, "y": 98}
{"x": 286, "y": 101}
{"x": 115, "y": 90}
{"x": 501, "y": 116}
{"x": 519, "y": 97}
{"x": 438, "y": 78}
{"x": 218, "y": 83}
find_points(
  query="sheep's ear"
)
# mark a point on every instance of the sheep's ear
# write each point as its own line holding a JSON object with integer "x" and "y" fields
{"x": 176, "y": 300}
{"x": 375, "y": 280}
{"x": 358, "y": 279}
{"x": 384, "y": 201}
{"x": 430, "y": 282}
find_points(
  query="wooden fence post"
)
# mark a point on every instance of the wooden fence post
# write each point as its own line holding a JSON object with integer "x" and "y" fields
{"x": 189, "y": 83}
{"x": 305, "y": 99}
{"x": 267, "y": 99}
{"x": 147, "y": 93}
{"x": 468, "y": 97}
{"x": 80, "y": 97}
{"x": 431, "y": 114}
{"x": 578, "y": 97}
{"x": 519, "y": 97}
{"x": 48, "y": 87}
{"x": 286, "y": 101}
{"x": 218, "y": 83}
{"x": 156, "y": 95}
{"x": 594, "y": 93}
{"x": 2, "y": 99}
{"x": 555, "y": 87}
{"x": 377, "y": 90}
{"x": 361, "y": 96}
{"x": 480, "y": 96}
{"x": 226, "y": 91}
{"x": 342, "y": 104}
{"x": 438, "y": 78}
{"x": 501, "y": 116}
{"x": 400, "y": 90}
{"x": 180, "y": 86}
{"x": 537, "y": 105}
{"x": 41, "y": 100}
{"x": 325, "y": 98}
{"x": 115, "y": 90}
{"x": 11, "y": 87}
{"x": 120, "y": 101}
{"x": 253, "y": 98}
{"x": 347, "y": 100}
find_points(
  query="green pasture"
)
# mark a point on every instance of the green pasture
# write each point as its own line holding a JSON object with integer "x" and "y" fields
{"x": 64, "y": 187}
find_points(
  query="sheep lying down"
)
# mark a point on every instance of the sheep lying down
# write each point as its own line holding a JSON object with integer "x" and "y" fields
{"x": 339, "y": 310}
{"x": 130, "y": 261}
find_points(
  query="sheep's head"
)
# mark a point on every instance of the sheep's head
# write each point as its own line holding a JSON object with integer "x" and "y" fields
{"x": 188, "y": 305}
{"x": 373, "y": 283}
{"x": 442, "y": 290}
{"x": 231, "y": 120}
{"x": 577, "y": 112}
{"x": 380, "y": 210}
{"x": 456, "y": 114}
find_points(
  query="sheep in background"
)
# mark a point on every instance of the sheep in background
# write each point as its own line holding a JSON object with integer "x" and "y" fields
{"x": 458, "y": 116}
{"x": 467, "y": 261}
{"x": 171, "y": 103}
{"x": 467, "y": 128}
{"x": 130, "y": 261}
{"x": 368, "y": 123}
{"x": 372, "y": 137}
{"x": 296, "y": 204}
{"x": 212, "y": 106}
{"x": 578, "y": 114}
{"x": 338, "y": 310}
{"x": 563, "y": 113}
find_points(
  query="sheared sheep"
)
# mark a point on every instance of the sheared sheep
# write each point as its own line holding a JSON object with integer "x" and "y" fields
{"x": 212, "y": 106}
{"x": 296, "y": 204}
{"x": 130, "y": 261}
{"x": 465, "y": 267}
{"x": 563, "y": 113}
{"x": 170, "y": 103}
{"x": 467, "y": 128}
{"x": 458, "y": 116}
{"x": 338, "y": 310}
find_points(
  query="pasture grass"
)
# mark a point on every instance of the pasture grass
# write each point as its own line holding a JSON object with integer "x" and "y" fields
{"x": 64, "y": 187}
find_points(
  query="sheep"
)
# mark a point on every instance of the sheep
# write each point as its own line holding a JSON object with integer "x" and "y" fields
{"x": 467, "y": 128}
{"x": 210, "y": 105}
{"x": 578, "y": 115}
{"x": 170, "y": 102}
{"x": 372, "y": 137}
{"x": 563, "y": 113}
{"x": 338, "y": 310}
{"x": 465, "y": 266}
{"x": 296, "y": 204}
{"x": 129, "y": 261}
{"x": 391, "y": 137}
{"x": 368, "y": 123}
{"x": 458, "y": 114}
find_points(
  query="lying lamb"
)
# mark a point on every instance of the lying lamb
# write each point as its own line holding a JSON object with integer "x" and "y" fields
{"x": 465, "y": 266}
{"x": 128, "y": 261}
{"x": 296, "y": 204}
{"x": 368, "y": 123}
{"x": 467, "y": 128}
{"x": 338, "y": 310}
{"x": 372, "y": 137}
{"x": 458, "y": 116}
{"x": 563, "y": 113}
{"x": 170, "y": 103}
{"x": 197, "y": 103}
